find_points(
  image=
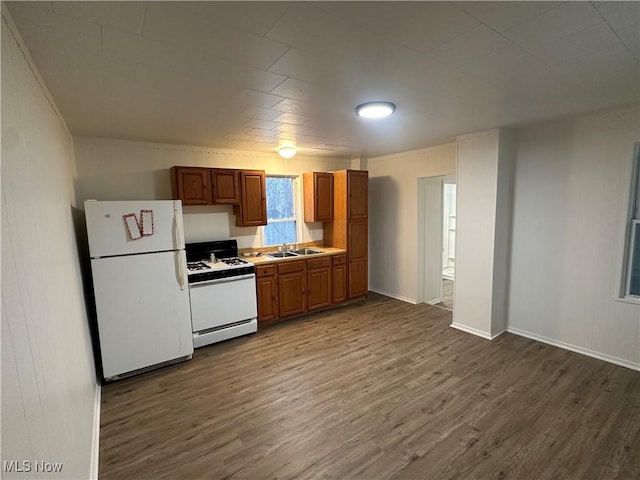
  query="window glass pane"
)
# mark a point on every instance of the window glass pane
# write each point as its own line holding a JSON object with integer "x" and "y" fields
{"x": 634, "y": 265}
{"x": 280, "y": 197}
{"x": 280, "y": 232}
{"x": 281, "y": 216}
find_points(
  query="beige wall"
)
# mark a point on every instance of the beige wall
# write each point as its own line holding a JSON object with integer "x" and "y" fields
{"x": 570, "y": 199}
{"x": 125, "y": 170}
{"x": 50, "y": 398}
{"x": 393, "y": 216}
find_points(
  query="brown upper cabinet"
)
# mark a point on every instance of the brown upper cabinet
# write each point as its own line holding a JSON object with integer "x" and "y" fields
{"x": 318, "y": 196}
{"x": 252, "y": 210}
{"x": 244, "y": 189}
{"x": 225, "y": 186}
{"x": 357, "y": 191}
{"x": 205, "y": 186}
{"x": 192, "y": 185}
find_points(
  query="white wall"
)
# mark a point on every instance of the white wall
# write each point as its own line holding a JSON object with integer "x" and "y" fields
{"x": 571, "y": 187}
{"x": 483, "y": 224}
{"x": 475, "y": 223}
{"x": 393, "y": 216}
{"x": 125, "y": 170}
{"x": 49, "y": 390}
{"x": 503, "y": 227}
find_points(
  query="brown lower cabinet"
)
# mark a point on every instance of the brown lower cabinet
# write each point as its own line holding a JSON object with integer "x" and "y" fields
{"x": 318, "y": 283}
{"x": 339, "y": 279}
{"x": 294, "y": 287}
{"x": 358, "y": 278}
{"x": 267, "y": 290}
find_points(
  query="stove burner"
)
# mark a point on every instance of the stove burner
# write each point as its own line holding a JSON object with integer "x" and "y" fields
{"x": 195, "y": 266}
{"x": 233, "y": 261}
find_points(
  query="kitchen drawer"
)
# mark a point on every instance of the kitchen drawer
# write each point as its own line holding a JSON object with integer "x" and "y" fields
{"x": 288, "y": 267}
{"x": 265, "y": 271}
{"x": 318, "y": 263}
{"x": 339, "y": 259}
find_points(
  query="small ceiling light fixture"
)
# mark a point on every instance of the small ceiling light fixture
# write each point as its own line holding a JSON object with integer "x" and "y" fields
{"x": 375, "y": 109}
{"x": 287, "y": 151}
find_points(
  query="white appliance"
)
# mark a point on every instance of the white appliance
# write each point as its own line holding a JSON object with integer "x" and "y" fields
{"x": 222, "y": 289}
{"x": 139, "y": 272}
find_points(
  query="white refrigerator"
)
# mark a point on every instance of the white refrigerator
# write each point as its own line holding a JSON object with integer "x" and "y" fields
{"x": 139, "y": 274}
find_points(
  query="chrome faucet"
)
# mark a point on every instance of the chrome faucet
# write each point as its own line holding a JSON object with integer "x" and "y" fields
{"x": 284, "y": 247}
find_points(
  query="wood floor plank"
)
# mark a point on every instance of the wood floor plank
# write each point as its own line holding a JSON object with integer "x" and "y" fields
{"x": 375, "y": 390}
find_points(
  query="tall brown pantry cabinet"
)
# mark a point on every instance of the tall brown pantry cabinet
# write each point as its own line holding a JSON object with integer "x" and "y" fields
{"x": 349, "y": 228}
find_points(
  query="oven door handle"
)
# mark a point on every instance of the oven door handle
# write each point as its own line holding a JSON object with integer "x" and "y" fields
{"x": 223, "y": 280}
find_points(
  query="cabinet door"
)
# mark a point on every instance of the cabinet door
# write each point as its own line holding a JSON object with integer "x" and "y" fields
{"x": 324, "y": 196}
{"x": 318, "y": 196}
{"x": 192, "y": 185}
{"x": 357, "y": 238}
{"x": 267, "y": 289}
{"x": 358, "y": 193}
{"x": 253, "y": 199}
{"x": 339, "y": 283}
{"x": 224, "y": 186}
{"x": 318, "y": 288}
{"x": 292, "y": 293}
{"x": 358, "y": 282}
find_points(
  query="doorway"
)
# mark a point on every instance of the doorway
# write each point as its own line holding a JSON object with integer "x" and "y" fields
{"x": 436, "y": 240}
{"x": 448, "y": 242}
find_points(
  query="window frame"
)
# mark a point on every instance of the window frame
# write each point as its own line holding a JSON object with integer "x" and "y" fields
{"x": 633, "y": 219}
{"x": 297, "y": 208}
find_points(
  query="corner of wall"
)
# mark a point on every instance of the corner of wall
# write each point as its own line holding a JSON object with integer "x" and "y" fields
{"x": 95, "y": 442}
{"x": 15, "y": 33}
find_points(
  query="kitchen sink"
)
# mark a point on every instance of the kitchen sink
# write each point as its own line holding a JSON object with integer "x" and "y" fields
{"x": 281, "y": 254}
{"x": 306, "y": 251}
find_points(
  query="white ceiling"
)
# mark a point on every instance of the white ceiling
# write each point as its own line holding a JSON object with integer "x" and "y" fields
{"x": 248, "y": 75}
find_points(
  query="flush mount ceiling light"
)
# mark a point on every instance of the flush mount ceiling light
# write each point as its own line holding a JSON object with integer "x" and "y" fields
{"x": 287, "y": 151}
{"x": 375, "y": 109}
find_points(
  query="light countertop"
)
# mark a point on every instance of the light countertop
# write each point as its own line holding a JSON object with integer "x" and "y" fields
{"x": 326, "y": 251}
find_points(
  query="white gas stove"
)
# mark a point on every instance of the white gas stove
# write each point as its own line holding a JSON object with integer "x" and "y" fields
{"x": 222, "y": 292}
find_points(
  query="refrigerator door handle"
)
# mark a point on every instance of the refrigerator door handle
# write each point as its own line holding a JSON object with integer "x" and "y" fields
{"x": 178, "y": 226}
{"x": 182, "y": 269}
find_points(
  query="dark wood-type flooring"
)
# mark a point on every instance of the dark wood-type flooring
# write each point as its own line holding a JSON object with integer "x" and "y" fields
{"x": 376, "y": 390}
{"x": 447, "y": 294}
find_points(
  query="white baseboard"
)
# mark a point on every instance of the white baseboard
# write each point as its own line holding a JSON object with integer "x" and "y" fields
{"x": 433, "y": 302}
{"x": 475, "y": 331}
{"x": 575, "y": 348}
{"x": 393, "y": 295}
{"x": 95, "y": 446}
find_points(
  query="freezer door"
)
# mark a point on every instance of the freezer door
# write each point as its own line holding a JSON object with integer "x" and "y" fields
{"x": 143, "y": 310}
{"x": 109, "y": 235}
